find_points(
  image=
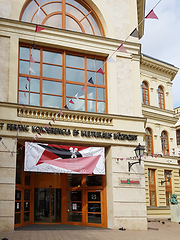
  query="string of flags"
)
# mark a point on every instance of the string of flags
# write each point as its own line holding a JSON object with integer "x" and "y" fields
{"x": 121, "y": 48}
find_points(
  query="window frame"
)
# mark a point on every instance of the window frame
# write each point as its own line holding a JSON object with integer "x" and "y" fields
{"x": 165, "y": 137}
{"x": 63, "y": 80}
{"x": 64, "y": 14}
{"x": 151, "y": 141}
{"x": 145, "y": 93}
{"x": 178, "y": 136}
{"x": 161, "y": 100}
{"x": 152, "y": 187}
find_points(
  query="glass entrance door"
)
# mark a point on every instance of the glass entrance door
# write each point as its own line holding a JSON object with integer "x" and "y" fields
{"x": 47, "y": 205}
{"x": 94, "y": 213}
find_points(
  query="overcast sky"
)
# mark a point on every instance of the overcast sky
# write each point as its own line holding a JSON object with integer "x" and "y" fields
{"x": 161, "y": 38}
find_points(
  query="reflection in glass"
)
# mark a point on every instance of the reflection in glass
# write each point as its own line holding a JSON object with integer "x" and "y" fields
{"x": 22, "y": 83}
{"x": 91, "y": 93}
{"x": 99, "y": 64}
{"x": 35, "y": 54}
{"x": 36, "y": 68}
{"x": 54, "y": 21}
{"x": 52, "y": 87}
{"x": 24, "y": 53}
{"x": 22, "y": 98}
{"x": 52, "y": 57}
{"x": 72, "y": 25}
{"x": 34, "y": 99}
{"x": 100, "y": 94}
{"x": 94, "y": 218}
{"x": 74, "y": 180}
{"x": 52, "y": 101}
{"x": 100, "y": 79}
{"x": 79, "y": 104}
{"x": 91, "y": 106}
{"x": 74, "y": 217}
{"x": 90, "y": 64}
{"x": 52, "y": 71}
{"x": 101, "y": 107}
{"x": 71, "y": 89}
{"x": 74, "y": 75}
{"x": 75, "y": 61}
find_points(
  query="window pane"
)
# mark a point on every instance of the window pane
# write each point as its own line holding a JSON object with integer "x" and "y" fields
{"x": 24, "y": 67}
{"x": 52, "y": 7}
{"x": 74, "y": 75}
{"x": 87, "y": 27}
{"x": 26, "y": 217}
{"x": 52, "y": 87}
{"x": 95, "y": 26}
{"x": 52, "y": 101}
{"x": 72, "y": 25}
{"x": 100, "y": 94}
{"x": 52, "y": 71}
{"x": 90, "y": 64}
{"x": 75, "y": 61}
{"x": 74, "y": 12}
{"x": 23, "y": 99}
{"x": 34, "y": 85}
{"x": 91, "y": 93}
{"x": 29, "y": 11}
{"x": 55, "y": 21}
{"x": 91, "y": 106}
{"x": 74, "y": 217}
{"x": 79, "y": 104}
{"x": 34, "y": 99}
{"x": 100, "y": 79}
{"x": 24, "y": 53}
{"x": 36, "y": 54}
{"x": 99, "y": 64}
{"x": 91, "y": 74}
{"x": 52, "y": 57}
{"x": 101, "y": 107}
{"x": 84, "y": 10}
{"x": 74, "y": 180}
{"x": 22, "y": 83}
{"x": 72, "y": 89}
{"x": 36, "y": 68}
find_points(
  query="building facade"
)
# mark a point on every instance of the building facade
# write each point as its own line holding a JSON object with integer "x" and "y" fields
{"x": 60, "y": 87}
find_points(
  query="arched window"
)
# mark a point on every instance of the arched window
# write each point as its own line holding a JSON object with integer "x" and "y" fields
{"x": 161, "y": 97}
{"x": 149, "y": 141}
{"x": 165, "y": 143}
{"x": 75, "y": 15}
{"x": 145, "y": 93}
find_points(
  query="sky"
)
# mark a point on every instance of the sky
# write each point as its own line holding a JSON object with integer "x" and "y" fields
{"x": 161, "y": 38}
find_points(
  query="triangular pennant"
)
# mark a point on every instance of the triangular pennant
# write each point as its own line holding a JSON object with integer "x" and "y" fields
{"x": 30, "y": 69}
{"x": 50, "y": 124}
{"x": 25, "y": 94}
{"x": 26, "y": 87}
{"x": 91, "y": 81}
{"x": 111, "y": 60}
{"x": 83, "y": 88}
{"x": 34, "y": 45}
{"x": 53, "y": 120}
{"x": 100, "y": 71}
{"x": 121, "y": 48}
{"x": 38, "y": 28}
{"x": 151, "y": 15}
{"x": 66, "y": 107}
{"x": 71, "y": 101}
{"x": 39, "y": 13}
{"x": 31, "y": 59}
{"x": 76, "y": 96}
{"x": 135, "y": 33}
{"x": 61, "y": 112}
{"x": 28, "y": 79}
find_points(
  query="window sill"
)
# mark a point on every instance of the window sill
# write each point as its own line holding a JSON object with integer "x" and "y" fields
{"x": 158, "y": 208}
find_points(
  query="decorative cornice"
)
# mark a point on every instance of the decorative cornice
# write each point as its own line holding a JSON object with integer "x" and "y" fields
{"x": 158, "y": 65}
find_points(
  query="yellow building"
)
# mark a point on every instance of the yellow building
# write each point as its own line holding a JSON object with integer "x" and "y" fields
{"x": 68, "y": 87}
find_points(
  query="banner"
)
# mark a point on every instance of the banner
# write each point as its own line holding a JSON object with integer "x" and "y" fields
{"x": 64, "y": 159}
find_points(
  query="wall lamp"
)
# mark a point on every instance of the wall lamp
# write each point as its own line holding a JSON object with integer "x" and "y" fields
{"x": 168, "y": 175}
{"x": 139, "y": 151}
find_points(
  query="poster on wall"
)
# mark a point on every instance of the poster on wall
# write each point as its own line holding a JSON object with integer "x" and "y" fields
{"x": 50, "y": 158}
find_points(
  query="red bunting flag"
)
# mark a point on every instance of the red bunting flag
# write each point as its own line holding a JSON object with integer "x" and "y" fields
{"x": 25, "y": 94}
{"x": 53, "y": 120}
{"x": 121, "y": 48}
{"x": 84, "y": 89}
{"x": 28, "y": 79}
{"x": 38, "y": 29}
{"x": 100, "y": 71}
{"x": 71, "y": 101}
{"x": 31, "y": 59}
{"x": 151, "y": 15}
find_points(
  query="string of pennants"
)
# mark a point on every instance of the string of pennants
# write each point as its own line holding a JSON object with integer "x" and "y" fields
{"x": 121, "y": 48}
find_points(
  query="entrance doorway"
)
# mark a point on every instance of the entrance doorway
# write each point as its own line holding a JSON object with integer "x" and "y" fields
{"x": 47, "y": 205}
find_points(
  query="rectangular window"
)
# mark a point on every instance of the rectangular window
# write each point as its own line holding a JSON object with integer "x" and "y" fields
{"x": 178, "y": 136}
{"x": 51, "y": 78}
{"x": 152, "y": 187}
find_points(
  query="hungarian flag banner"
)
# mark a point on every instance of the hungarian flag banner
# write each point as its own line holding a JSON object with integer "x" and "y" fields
{"x": 64, "y": 159}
